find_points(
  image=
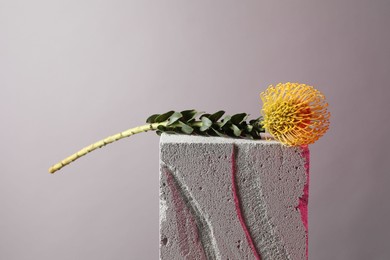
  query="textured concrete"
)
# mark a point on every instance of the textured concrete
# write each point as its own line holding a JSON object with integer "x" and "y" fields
{"x": 223, "y": 198}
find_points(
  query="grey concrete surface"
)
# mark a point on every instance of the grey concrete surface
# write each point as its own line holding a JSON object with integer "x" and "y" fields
{"x": 198, "y": 215}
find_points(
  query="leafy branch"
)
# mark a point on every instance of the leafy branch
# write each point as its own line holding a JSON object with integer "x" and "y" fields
{"x": 190, "y": 122}
{"x": 198, "y": 123}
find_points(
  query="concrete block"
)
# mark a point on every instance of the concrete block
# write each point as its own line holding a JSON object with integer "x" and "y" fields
{"x": 224, "y": 198}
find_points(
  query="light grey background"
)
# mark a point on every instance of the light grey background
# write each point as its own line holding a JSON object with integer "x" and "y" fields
{"x": 72, "y": 72}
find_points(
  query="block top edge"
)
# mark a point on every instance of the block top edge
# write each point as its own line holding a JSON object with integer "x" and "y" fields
{"x": 168, "y": 138}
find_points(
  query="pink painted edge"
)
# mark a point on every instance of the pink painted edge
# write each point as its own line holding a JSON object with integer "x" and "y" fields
{"x": 304, "y": 199}
{"x": 181, "y": 210}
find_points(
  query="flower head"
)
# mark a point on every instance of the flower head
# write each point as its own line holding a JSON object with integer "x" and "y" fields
{"x": 295, "y": 114}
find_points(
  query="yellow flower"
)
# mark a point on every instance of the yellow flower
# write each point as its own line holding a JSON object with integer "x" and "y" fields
{"x": 294, "y": 114}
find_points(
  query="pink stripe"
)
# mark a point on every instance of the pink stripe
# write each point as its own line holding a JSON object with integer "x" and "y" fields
{"x": 238, "y": 208}
{"x": 303, "y": 201}
{"x": 186, "y": 225}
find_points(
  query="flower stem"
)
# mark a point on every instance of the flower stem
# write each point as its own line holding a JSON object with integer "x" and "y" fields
{"x": 103, "y": 142}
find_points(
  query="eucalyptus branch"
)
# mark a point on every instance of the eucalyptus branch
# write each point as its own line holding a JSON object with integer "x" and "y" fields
{"x": 185, "y": 122}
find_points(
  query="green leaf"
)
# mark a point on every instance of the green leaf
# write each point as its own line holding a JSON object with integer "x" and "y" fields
{"x": 249, "y": 136}
{"x": 216, "y": 116}
{"x": 249, "y": 128}
{"x": 225, "y": 120}
{"x": 214, "y": 132}
{"x": 238, "y": 118}
{"x": 189, "y": 114}
{"x": 206, "y": 123}
{"x": 161, "y": 128}
{"x": 197, "y": 131}
{"x": 152, "y": 118}
{"x": 174, "y": 117}
{"x": 163, "y": 117}
{"x": 186, "y": 128}
{"x": 256, "y": 135}
{"x": 204, "y": 115}
{"x": 253, "y": 121}
{"x": 236, "y": 130}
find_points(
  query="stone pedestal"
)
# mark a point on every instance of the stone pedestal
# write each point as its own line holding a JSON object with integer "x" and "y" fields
{"x": 225, "y": 198}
